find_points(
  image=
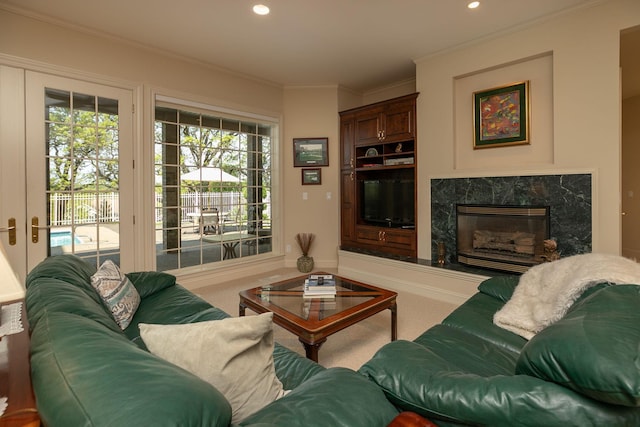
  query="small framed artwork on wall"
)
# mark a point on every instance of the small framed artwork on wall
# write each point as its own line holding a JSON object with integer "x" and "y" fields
{"x": 310, "y": 152}
{"x": 501, "y": 116}
{"x": 312, "y": 176}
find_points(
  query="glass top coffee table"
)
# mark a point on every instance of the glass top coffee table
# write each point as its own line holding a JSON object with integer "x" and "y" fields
{"x": 314, "y": 319}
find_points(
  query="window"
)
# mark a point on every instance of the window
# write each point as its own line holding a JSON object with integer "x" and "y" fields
{"x": 213, "y": 186}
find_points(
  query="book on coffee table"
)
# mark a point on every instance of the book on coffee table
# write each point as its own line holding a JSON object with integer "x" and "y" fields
{"x": 325, "y": 297}
{"x": 320, "y": 285}
{"x": 320, "y": 281}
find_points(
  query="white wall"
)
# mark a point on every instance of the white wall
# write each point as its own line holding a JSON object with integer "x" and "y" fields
{"x": 538, "y": 72}
{"x": 585, "y": 126}
{"x": 312, "y": 112}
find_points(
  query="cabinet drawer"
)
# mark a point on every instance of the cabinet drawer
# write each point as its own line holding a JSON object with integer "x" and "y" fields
{"x": 368, "y": 235}
{"x": 395, "y": 238}
{"x": 386, "y": 237}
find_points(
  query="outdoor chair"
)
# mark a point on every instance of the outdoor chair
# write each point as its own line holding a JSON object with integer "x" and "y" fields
{"x": 210, "y": 220}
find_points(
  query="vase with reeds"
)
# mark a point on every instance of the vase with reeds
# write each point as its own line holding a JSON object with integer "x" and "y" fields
{"x": 305, "y": 262}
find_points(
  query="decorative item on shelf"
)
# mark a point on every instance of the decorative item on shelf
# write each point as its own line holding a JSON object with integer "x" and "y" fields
{"x": 305, "y": 262}
{"x": 399, "y": 161}
{"x": 442, "y": 253}
{"x": 371, "y": 152}
{"x": 550, "y": 250}
{"x": 399, "y": 147}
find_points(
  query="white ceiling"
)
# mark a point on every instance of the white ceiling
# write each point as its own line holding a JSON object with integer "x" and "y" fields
{"x": 359, "y": 44}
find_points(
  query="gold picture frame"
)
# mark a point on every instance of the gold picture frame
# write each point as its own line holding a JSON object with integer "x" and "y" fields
{"x": 501, "y": 116}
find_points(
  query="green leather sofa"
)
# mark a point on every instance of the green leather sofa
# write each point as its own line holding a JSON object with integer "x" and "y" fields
{"x": 86, "y": 371}
{"x": 583, "y": 370}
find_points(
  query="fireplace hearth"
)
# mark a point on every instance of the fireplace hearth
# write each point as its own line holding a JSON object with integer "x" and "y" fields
{"x": 506, "y": 238}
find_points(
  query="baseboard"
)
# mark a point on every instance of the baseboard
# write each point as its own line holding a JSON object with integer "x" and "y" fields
{"x": 232, "y": 271}
{"x": 432, "y": 282}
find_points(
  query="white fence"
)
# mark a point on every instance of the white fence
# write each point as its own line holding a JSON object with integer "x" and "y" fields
{"x": 82, "y": 208}
{"x": 191, "y": 203}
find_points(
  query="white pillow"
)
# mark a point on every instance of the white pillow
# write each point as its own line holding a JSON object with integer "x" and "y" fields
{"x": 235, "y": 355}
{"x": 117, "y": 292}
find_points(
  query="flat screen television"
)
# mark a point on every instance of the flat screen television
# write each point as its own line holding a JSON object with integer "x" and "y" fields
{"x": 388, "y": 202}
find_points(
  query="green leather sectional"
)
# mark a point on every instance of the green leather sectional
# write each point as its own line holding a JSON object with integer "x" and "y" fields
{"x": 86, "y": 371}
{"x": 584, "y": 370}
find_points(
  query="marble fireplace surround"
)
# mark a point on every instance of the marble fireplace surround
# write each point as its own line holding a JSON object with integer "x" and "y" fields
{"x": 569, "y": 197}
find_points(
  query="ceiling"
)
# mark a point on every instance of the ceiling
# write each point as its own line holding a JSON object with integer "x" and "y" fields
{"x": 358, "y": 44}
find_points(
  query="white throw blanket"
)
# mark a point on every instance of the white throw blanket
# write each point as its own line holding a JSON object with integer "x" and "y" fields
{"x": 545, "y": 292}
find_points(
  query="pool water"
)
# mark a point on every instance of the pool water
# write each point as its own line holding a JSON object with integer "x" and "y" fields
{"x": 62, "y": 238}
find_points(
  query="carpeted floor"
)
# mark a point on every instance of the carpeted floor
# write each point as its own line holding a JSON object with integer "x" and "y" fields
{"x": 353, "y": 346}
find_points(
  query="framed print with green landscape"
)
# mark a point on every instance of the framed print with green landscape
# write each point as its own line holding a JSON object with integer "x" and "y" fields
{"x": 501, "y": 116}
{"x": 310, "y": 152}
{"x": 312, "y": 176}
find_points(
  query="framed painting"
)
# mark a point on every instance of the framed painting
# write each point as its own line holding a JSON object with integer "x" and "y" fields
{"x": 501, "y": 116}
{"x": 312, "y": 176}
{"x": 310, "y": 152}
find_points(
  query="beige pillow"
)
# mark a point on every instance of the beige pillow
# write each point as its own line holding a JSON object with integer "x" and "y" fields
{"x": 235, "y": 355}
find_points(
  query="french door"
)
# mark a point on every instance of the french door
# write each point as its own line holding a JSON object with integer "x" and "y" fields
{"x": 77, "y": 147}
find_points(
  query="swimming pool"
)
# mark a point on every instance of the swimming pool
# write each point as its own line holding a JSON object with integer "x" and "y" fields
{"x": 62, "y": 238}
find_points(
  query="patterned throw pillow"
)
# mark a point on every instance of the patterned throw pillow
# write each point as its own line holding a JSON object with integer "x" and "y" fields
{"x": 117, "y": 292}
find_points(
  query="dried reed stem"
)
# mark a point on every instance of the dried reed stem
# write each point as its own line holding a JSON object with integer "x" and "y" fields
{"x": 304, "y": 241}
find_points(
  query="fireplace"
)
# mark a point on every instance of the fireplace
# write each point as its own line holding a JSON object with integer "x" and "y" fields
{"x": 500, "y": 237}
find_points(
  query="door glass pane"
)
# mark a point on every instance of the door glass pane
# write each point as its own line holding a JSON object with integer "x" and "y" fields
{"x": 82, "y": 175}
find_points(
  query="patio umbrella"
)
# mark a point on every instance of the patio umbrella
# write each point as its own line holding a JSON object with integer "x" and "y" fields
{"x": 209, "y": 174}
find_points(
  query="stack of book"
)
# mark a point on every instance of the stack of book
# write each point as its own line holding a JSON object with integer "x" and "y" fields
{"x": 320, "y": 286}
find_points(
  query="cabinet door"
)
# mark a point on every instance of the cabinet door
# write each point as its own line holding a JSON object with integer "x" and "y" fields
{"x": 370, "y": 235}
{"x": 347, "y": 129}
{"x": 399, "y": 122}
{"x": 347, "y": 207}
{"x": 404, "y": 239}
{"x": 368, "y": 126}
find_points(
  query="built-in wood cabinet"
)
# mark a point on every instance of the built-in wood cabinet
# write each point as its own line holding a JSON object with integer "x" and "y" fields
{"x": 378, "y": 164}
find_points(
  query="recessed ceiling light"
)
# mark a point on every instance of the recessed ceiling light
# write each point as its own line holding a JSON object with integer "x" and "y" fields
{"x": 473, "y": 4}
{"x": 261, "y": 9}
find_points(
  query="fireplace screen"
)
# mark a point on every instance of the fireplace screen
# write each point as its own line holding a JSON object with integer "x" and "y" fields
{"x": 508, "y": 238}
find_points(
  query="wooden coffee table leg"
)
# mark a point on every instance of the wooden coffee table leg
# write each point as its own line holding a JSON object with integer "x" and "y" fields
{"x": 394, "y": 321}
{"x": 241, "y": 309}
{"x": 311, "y": 350}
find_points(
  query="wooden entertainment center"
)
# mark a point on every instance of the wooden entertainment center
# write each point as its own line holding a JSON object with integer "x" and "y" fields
{"x": 378, "y": 169}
